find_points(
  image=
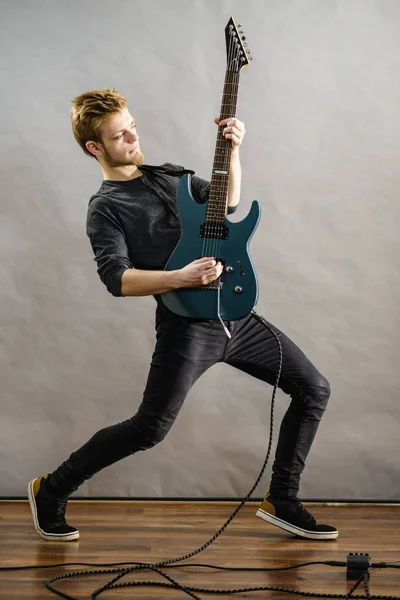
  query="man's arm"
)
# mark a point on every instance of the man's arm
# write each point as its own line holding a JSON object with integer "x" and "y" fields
{"x": 135, "y": 282}
{"x": 235, "y": 178}
{"x": 116, "y": 270}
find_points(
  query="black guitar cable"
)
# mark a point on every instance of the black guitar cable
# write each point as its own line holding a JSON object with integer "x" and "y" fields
{"x": 157, "y": 566}
{"x": 127, "y": 568}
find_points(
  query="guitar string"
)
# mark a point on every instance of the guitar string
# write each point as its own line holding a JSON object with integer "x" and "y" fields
{"x": 209, "y": 243}
{"x": 226, "y": 162}
{"x": 214, "y": 243}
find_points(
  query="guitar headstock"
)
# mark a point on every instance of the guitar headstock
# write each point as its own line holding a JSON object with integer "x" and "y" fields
{"x": 237, "y": 49}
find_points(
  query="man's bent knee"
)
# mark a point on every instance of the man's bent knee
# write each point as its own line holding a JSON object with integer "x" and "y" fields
{"x": 151, "y": 439}
{"x": 321, "y": 391}
{"x": 144, "y": 434}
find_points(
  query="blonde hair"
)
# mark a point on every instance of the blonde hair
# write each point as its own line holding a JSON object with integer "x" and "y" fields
{"x": 90, "y": 110}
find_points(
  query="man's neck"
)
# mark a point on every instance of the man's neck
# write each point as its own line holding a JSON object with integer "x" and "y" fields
{"x": 125, "y": 173}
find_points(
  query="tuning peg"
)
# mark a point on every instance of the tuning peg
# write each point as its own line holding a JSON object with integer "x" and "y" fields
{"x": 239, "y": 25}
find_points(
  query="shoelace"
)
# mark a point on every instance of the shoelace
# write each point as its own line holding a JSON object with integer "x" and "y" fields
{"x": 305, "y": 514}
{"x": 61, "y": 513}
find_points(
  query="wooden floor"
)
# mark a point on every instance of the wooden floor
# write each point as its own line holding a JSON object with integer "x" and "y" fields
{"x": 155, "y": 531}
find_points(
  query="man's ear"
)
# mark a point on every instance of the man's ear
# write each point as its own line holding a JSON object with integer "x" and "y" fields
{"x": 94, "y": 148}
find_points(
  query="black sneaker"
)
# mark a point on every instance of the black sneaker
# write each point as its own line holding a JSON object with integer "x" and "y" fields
{"x": 49, "y": 513}
{"x": 292, "y": 516}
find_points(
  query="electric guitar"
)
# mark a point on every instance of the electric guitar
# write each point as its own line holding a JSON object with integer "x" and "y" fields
{"x": 205, "y": 229}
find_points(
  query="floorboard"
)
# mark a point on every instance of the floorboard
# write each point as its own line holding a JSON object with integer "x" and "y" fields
{"x": 154, "y": 530}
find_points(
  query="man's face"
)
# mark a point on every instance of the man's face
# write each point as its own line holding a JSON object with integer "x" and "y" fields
{"x": 120, "y": 141}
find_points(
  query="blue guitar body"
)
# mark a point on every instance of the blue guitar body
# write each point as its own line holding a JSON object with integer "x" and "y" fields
{"x": 238, "y": 289}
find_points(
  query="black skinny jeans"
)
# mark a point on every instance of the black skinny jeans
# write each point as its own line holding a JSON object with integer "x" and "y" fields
{"x": 185, "y": 349}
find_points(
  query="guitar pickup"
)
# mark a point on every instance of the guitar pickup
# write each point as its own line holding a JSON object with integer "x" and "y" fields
{"x": 214, "y": 229}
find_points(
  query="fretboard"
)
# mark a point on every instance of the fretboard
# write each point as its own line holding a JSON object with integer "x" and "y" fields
{"x": 217, "y": 203}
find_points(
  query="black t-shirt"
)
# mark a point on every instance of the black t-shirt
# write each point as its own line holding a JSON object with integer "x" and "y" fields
{"x": 135, "y": 224}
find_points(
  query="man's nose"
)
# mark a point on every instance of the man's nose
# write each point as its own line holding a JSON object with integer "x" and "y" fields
{"x": 132, "y": 136}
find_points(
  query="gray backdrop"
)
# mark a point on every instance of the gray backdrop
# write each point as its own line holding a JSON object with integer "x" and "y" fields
{"x": 322, "y": 150}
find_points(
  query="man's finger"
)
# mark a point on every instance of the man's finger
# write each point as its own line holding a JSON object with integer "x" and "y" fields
{"x": 204, "y": 259}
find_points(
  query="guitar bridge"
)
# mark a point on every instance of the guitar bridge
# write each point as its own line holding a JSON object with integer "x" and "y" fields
{"x": 214, "y": 285}
{"x": 217, "y": 284}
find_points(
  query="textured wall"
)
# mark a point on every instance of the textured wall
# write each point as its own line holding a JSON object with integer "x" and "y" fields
{"x": 322, "y": 151}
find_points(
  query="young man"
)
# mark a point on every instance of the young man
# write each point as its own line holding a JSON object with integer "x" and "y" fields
{"x": 133, "y": 226}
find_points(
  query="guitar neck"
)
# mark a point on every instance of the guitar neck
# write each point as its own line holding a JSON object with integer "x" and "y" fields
{"x": 217, "y": 203}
